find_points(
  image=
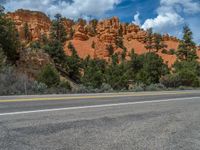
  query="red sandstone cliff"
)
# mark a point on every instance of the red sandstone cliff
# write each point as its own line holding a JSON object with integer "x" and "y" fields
{"x": 94, "y": 37}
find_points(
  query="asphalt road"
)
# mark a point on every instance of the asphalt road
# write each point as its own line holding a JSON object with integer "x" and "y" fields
{"x": 122, "y": 121}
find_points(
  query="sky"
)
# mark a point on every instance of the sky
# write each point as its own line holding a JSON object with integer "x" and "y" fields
{"x": 164, "y": 16}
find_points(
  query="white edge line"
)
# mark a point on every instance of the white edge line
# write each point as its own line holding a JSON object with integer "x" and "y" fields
{"x": 98, "y": 106}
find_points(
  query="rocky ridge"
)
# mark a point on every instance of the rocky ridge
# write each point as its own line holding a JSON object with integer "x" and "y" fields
{"x": 94, "y": 37}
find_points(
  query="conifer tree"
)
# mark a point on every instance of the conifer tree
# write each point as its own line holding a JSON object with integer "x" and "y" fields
{"x": 149, "y": 40}
{"x": 187, "y": 48}
{"x": 27, "y": 33}
{"x": 158, "y": 43}
{"x": 9, "y": 40}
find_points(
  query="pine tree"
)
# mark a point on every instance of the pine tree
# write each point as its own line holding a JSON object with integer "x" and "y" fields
{"x": 27, "y": 33}
{"x": 57, "y": 40}
{"x": 158, "y": 43}
{"x": 2, "y": 59}
{"x": 74, "y": 63}
{"x": 110, "y": 50}
{"x": 49, "y": 76}
{"x": 149, "y": 40}
{"x": 9, "y": 40}
{"x": 187, "y": 48}
{"x": 58, "y": 31}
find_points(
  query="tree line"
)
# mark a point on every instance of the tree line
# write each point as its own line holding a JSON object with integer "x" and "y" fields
{"x": 118, "y": 74}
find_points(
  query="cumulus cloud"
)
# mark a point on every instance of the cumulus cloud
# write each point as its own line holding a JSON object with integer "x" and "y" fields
{"x": 188, "y": 6}
{"x": 137, "y": 19}
{"x": 170, "y": 14}
{"x": 68, "y": 8}
{"x": 163, "y": 21}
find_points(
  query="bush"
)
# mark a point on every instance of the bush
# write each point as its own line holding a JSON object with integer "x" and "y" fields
{"x": 137, "y": 88}
{"x": 35, "y": 45}
{"x": 171, "y": 80}
{"x": 49, "y": 76}
{"x": 155, "y": 87}
{"x": 13, "y": 83}
{"x": 189, "y": 78}
{"x": 64, "y": 84}
{"x": 152, "y": 69}
{"x": 171, "y": 52}
{"x": 164, "y": 51}
{"x": 183, "y": 78}
{"x": 106, "y": 88}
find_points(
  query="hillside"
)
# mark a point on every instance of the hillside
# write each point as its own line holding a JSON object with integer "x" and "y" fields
{"x": 94, "y": 37}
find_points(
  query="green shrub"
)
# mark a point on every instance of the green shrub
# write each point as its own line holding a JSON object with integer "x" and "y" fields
{"x": 35, "y": 45}
{"x": 106, "y": 88}
{"x": 65, "y": 85}
{"x": 155, "y": 87}
{"x": 171, "y": 80}
{"x": 171, "y": 52}
{"x": 137, "y": 88}
{"x": 182, "y": 78}
{"x": 49, "y": 76}
{"x": 164, "y": 51}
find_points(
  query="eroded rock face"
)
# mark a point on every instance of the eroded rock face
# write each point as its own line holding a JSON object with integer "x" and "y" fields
{"x": 81, "y": 33}
{"x": 31, "y": 62}
{"x": 38, "y": 23}
{"x": 108, "y": 30}
{"x": 90, "y": 38}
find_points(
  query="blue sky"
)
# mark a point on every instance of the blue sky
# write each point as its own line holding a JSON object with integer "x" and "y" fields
{"x": 162, "y": 15}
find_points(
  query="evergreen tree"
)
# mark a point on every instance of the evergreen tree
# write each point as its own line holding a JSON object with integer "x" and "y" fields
{"x": 2, "y": 58}
{"x": 58, "y": 31}
{"x": 74, "y": 64}
{"x": 152, "y": 69}
{"x": 27, "y": 33}
{"x": 93, "y": 24}
{"x": 9, "y": 40}
{"x": 94, "y": 72}
{"x": 123, "y": 55}
{"x": 49, "y": 76}
{"x": 110, "y": 50}
{"x": 56, "y": 42}
{"x": 158, "y": 43}
{"x": 187, "y": 48}
{"x": 118, "y": 76}
{"x": 149, "y": 40}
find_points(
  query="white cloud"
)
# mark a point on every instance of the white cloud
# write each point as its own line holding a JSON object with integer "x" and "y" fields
{"x": 137, "y": 19}
{"x": 68, "y": 8}
{"x": 170, "y": 14}
{"x": 163, "y": 21}
{"x": 189, "y": 6}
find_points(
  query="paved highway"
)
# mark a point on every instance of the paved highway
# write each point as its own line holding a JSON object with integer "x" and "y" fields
{"x": 121, "y": 121}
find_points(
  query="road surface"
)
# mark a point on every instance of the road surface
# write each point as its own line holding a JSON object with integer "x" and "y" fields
{"x": 121, "y": 121}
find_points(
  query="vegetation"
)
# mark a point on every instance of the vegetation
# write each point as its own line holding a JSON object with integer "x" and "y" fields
{"x": 27, "y": 33}
{"x": 74, "y": 64}
{"x": 140, "y": 72}
{"x": 187, "y": 48}
{"x": 186, "y": 69}
{"x": 49, "y": 76}
{"x": 9, "y": 41}
{"x": 154, "y": 41}
{"x": 110, "y": 50}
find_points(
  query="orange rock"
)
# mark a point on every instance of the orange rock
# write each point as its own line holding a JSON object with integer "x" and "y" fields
{"x": 106, "y": 32}
{"x": 38, "y": 22}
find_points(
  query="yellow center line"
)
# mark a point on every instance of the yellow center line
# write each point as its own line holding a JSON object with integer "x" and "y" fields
{"x": 91, "y": 97}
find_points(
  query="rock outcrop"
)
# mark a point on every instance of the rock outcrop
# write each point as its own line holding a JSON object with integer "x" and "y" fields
{"x": 31, "y": 62}
{"x": 38, "y": 23}
{"x": 94, "y": 37}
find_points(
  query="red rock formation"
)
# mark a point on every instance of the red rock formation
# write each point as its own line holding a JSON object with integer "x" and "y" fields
{"x": 99, "y": 34}
{"x": 38, "y": 22}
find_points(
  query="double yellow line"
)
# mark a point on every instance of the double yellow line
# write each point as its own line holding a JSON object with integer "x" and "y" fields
{"x": 101, "y": 96}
